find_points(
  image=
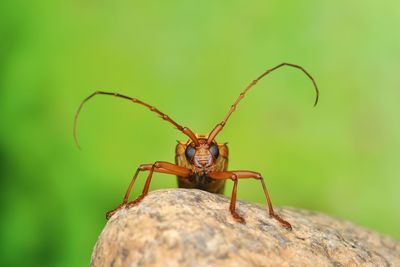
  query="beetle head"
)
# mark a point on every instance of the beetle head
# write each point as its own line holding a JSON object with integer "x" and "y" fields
{"x": 202, "y": 155}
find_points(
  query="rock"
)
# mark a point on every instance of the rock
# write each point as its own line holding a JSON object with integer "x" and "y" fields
{"x": 186, "y": 227}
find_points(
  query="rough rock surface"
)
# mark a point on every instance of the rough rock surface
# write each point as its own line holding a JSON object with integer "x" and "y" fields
{"x": 183, "y": 227}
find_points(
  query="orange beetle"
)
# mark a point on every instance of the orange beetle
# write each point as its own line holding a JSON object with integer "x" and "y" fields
{"x": 201, "y": 162}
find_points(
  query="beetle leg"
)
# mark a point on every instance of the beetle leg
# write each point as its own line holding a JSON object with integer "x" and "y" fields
{"x": 158, "y": 166}
{"x": 235, "y": 175}
{"x": 229, "y": 175}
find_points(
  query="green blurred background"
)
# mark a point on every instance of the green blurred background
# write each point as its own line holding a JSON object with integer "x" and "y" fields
{"x": 191, "y": 59}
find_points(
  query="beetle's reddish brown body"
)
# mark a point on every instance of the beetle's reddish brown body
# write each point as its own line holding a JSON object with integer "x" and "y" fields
{"x": 201, "y": 180}
{"x": 200, "y": 162}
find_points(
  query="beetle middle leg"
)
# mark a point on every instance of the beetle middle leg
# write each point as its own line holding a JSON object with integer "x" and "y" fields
{"x": 235, "y": 175}
{"x": 158, "y": 166}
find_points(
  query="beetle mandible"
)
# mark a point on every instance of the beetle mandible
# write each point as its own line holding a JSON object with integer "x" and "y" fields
{"x": 201, "y": 162}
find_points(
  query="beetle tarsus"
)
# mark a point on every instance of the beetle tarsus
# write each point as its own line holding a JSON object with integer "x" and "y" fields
{"x": 110, "y": 213}
{"x": 284, "y": 223}
{"x": 238, "y": 218}
{"x": 135, "y": 202}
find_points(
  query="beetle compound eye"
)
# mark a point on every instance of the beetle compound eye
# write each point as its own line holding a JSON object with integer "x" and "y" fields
{"x": 190, "y": 151}
{"x": 214, "y": 150}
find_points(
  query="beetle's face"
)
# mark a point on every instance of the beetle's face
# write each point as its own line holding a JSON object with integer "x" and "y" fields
{"x": 203, "y": 155}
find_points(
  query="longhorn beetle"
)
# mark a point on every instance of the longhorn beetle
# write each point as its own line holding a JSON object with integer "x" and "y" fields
{"x": 201, "y": 162}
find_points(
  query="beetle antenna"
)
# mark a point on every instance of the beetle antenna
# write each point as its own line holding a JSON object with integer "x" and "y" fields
{"x": 162, "y": 115}
{"x": 221, "y": 125}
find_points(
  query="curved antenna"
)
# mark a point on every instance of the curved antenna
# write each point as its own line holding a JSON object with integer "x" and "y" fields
{"x": 165, "y": 117}
{"x": 221, "y": 125}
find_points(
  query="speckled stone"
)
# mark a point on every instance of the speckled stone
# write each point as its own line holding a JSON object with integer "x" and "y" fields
{"x": 183, "y": 227}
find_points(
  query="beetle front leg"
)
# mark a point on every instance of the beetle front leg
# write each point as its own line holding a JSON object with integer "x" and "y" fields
{"x": 159, "y": 166}
{"x": 235, "y": 175}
